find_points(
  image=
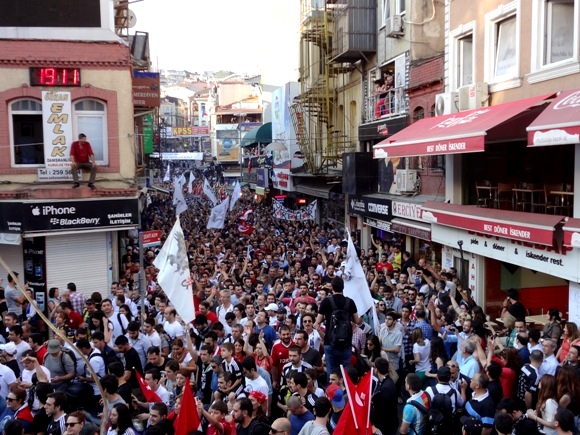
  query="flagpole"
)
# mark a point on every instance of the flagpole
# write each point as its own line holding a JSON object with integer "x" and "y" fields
{"x": 344, "y": 375}
{"x": 370, "y": 404}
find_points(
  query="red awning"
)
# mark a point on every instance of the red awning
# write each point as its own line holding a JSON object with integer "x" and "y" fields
{"x": 572, "y": 233}
{"x": 463, "y": 132}
{"x": 559, "y": 124}
{"x": 527, "y": 227}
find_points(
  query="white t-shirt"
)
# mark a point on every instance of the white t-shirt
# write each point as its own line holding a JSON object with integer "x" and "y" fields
{"x": 423, "y": 365}
{"x": 155, "y": 339}
{"x": 174, "y": 329}
{"x": 20, "y": 349}
{"x": 549, "y": 414}
{"x": 7, "y": 377}
{"x": 26, "y": 376}
{"x": 117, "y": 330}
{"x": 258, "y": 384}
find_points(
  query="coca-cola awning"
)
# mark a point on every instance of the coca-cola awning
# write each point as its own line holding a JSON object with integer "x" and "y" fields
{"x": 526, "y": 227}
{"x": 572, "y": 233}
{"x": 559, "y": 124}
{"x": 463, "y": 132}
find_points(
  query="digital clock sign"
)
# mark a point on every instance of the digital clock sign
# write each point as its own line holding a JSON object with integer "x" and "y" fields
{"x": 48, "y": 76}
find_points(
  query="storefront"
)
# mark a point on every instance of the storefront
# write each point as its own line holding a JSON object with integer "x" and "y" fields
{"x": 495, "y": 250}
{"x": 66, "y": 241}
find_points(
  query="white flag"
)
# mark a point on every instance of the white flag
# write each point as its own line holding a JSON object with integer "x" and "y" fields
{"x": 235, "y": 195}
{"x": 356, "y": 286}
{"x": 174, "y": 276}
{"x": 218, "y": 215}
{"x": 208, "y": 192}
{"x": 148, "y": 200}
{"x": 167, "y": 177}
{"x": 191, "y": 179}
{"x": 178, "y": 199}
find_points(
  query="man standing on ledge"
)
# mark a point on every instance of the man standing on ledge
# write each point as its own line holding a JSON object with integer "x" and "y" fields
{"x": 82, "y": 157}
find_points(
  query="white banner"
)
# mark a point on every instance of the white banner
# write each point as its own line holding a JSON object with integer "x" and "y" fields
{"x": 57, "y": 128}
{"x": 217, "y": 217}
{"x": 562, "y": 262}
{"x": 281, "y": 212}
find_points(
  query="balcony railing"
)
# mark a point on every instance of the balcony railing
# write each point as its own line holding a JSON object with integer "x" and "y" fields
{"x": 389, "y": 105}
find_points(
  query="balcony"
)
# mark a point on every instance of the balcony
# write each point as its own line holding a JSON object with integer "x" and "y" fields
{"x": 355, "y": 35}
{"x": 384, "y": 106}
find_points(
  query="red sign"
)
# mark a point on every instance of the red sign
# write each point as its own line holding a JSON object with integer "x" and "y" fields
{"x": 527, "y": 227}
{"x": 151, "y": 238}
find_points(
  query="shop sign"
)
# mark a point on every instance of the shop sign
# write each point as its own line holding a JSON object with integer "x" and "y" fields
{"x": 558, "y": 261}
{"x": 398, "y": 227}
{"x": 146, "y": 89}
{"x": 18, "y": 217}
{"x": 407, "y": 210}
{"x": 196, "y": 131}
{"x": 377, "y": 208}
{"x": 151, "y": 238}
{"x": 57, "y": 128}
{"x": 35, "y": 265}
{"x": 262, "y": 177}
{"x": 375, "y": 223}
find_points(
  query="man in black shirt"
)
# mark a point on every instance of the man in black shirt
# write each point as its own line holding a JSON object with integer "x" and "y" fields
{"x": 155, "y": 360}
{"x": 246, "y": 425}
{"x": 513, "y": 306}
{"x": 204, "y": 375}
{"x": 385, "y": 398}
{"x": 309, "y": 354}
{"x": 132, "y": 361}
{"x": 54, "y": 407}
{"x": 300, "y": 388}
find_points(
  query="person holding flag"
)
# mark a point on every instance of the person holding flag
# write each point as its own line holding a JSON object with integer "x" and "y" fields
{"x": 151, "y": 388}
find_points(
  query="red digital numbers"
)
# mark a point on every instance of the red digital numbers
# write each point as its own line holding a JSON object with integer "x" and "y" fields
{"x": 55, "y": 76}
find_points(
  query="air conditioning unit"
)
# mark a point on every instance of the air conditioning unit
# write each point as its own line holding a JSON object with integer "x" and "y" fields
{"x": 394, "y": 26}
{"x": 473, "y": 96}
{"x": 446, "y": 103}
{"x": 406, "y": 180}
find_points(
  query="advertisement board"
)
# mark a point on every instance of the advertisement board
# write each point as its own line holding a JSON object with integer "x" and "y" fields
{"x": 57, "y": 128}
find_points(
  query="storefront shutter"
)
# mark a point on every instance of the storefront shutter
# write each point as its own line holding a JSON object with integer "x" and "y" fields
{"x": 79, "y": 258}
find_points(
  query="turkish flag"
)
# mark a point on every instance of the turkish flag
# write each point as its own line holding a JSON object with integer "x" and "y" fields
{"x": 150, "y": 395}
{"x": 245, "y": 229}
{"x": 345, "y": 423}
{"x": 188, "y": 419}
{"x": 359, "y": 399}
{"x": 244, "y": 216}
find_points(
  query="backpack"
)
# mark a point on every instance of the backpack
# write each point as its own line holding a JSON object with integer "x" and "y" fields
{"x": 121, "y": 323}
{"x": 258, "y": 427}
{"x": 340, "y": 332}
{"x": 440, "y": 413}
{"x": 71, "y": 355}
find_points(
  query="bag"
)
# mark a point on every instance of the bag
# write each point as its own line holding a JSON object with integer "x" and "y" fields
{"x": 121, "y": 323}
{"x": 258, "y": 427}
{"x": 440, "y": 413}
{"x": 340, "y": 332}
{"x": 71, "y": 355}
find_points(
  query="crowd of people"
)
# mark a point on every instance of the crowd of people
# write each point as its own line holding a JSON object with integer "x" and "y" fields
{"x": 272, "y": 330}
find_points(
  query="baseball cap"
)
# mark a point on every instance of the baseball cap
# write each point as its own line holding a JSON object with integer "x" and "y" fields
{"x": 336, "y": 395}
{"x": 9, "y": 348}
{"x": 282, "y": 311}
{"x": 53, "y": 346}
{"x": 272, "y": 307}
{"x": 471, "y": 425}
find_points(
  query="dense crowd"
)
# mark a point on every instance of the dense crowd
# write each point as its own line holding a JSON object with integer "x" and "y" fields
{"x": 272, "y": 329}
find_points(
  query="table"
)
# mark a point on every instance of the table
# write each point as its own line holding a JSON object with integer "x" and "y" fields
{"x": 522, "y": 198}
{"x": 540, "y": 319}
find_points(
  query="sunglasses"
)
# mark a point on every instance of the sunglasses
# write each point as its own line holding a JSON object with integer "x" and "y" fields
{"x": 71, "y": 424}
{"x": 272, "y": 430}
{"x": 10, "y": 399}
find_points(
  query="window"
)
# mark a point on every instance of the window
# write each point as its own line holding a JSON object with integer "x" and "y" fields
{"x": 465, "y": 60}
{"x": 401, "y": 6}
{"x": 505, "y": 56}
{"x": 559, "y": 31}
{"x": 461, "y": 51}
{"x": 90, "y": 118}
{"x": 386, "y": 11}
{"x": 502, "y": 47}
{"x": 26, "y": 133}
{"x": 418, "y": 113}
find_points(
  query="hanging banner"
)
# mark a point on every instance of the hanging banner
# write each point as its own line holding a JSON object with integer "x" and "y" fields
{"x": 57, "y": 128}
{"x": 281, "y": 212}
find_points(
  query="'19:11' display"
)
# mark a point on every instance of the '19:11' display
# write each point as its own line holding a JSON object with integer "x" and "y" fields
{"x": 49, "y": 76}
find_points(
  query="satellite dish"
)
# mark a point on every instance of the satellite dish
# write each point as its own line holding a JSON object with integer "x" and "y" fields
{"x": 132, "y": 20}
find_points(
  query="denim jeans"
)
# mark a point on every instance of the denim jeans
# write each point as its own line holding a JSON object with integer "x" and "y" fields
{"x": 335, "y": 357}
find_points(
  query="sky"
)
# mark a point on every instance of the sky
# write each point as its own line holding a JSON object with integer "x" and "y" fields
{"x": 252, "y": 36}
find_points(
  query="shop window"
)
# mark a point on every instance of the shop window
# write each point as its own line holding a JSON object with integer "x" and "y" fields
{"x": 90, "y": 118}
{"x": 559, "y": 31}
{"x": 505, "y": 62}
{"x": 465, "y": 51}
{"x": 418, "y": 113}
{"x": 26, "y": 133}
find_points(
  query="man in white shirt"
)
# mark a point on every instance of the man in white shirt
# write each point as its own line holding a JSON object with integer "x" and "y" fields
{"x": 117, "y": 322}
{"x": 225, "y": 307}
{"x": 97, "y": 363}
{"x": 152, "y": 378}
{"x": 254, "y": 382}
{"x": 550, "y": 363}
{"x": 151, "y": 333}
{"x": 171, "y": 325}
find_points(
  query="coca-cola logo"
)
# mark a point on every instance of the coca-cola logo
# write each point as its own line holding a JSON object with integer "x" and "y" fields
{"x": 572, "y": 100}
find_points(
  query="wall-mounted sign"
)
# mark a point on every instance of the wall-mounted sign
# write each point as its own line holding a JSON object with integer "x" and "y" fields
{"x": 57, "y": 128}
{"x": 55, "y": 76}
{"x": 378, "y": 208}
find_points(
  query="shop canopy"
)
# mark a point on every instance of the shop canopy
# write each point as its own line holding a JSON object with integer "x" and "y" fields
{"x": 526, "y": 227}
{"x": 260, "y": 135}
{"x": 463, "y": 132}
{"x": 559, "y": 124}
{"x": 572, "y": 233}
